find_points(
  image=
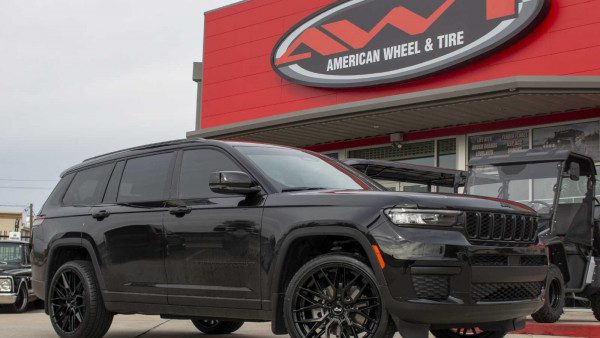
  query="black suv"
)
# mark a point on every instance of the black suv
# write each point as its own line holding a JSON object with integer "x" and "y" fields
{"x": 225, "y": 232}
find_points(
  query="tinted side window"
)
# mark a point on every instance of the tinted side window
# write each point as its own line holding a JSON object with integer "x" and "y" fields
{"x": 113, "y": 184}
{"x": 145, "y": 179}
{"x": 54, "y": 200}
{"x": 88, "y": 186}
{"x": 196, "y": 167}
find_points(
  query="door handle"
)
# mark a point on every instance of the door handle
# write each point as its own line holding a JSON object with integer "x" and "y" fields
{"x": 100, "y": 215}
{"x": 180, "y": 211}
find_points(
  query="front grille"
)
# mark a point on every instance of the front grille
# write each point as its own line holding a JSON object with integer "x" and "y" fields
{"x": 431, "y": 287}
{"x": 505, "y": 292}
{"x": 534, "y": 260}
{"x": 494, "y": 228}
{"x": 489, "y": 260}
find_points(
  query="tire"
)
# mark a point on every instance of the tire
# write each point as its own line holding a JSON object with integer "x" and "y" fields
{"x": 595, "y": 302}
{"x": 209, "y": 326}
{"x": 468, "y": 332}
{"x": 336, "y": 295}
{"x": 555, "y": 298}
{"x": 22, "y": 303}
{"x": 75, "y": 302}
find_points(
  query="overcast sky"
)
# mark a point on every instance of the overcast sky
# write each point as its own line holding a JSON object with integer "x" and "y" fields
{"x": 81, "y": 78}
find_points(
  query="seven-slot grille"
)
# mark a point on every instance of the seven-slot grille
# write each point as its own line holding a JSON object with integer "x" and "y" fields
{"x": 493, "y": 228}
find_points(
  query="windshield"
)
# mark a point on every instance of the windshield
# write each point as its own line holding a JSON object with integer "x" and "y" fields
{"x": 11, "y": 253}
{"x": 532, "y": 184}
{"x": 296, "y": 170}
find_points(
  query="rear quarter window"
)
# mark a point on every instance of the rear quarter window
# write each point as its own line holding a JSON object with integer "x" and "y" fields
{"x": 88, "y": 186}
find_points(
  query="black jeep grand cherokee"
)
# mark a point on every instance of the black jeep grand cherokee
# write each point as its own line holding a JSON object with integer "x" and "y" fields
{"x": 225, "y": 232}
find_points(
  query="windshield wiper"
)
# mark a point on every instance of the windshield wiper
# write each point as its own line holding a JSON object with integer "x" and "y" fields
{"x": 302, "y": 189}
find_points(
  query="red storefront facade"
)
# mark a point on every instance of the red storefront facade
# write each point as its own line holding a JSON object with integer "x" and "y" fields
{"x": 539, "y": 90}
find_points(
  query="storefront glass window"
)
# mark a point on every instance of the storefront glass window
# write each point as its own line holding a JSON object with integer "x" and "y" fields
{"x": 580, "y": 137}
{"x": 498, "y": 143}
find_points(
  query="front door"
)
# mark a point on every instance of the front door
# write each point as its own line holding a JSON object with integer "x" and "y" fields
{"x": 213, "y": 240}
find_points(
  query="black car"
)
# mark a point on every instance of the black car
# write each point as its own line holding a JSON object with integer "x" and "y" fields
{"x": 225, "y": 232}
{"x": 15, "y": 275}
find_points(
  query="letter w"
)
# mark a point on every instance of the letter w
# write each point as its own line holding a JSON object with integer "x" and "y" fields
{"x": 399, "y": 17}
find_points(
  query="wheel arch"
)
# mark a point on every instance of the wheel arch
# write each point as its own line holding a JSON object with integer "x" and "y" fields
{"x": 558, "y": 257}
{"x": 81, "y": 244}
{"x": 277, "y": 276}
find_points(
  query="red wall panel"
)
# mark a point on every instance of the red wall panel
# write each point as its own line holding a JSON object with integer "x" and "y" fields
{"x": 239, "y": 84}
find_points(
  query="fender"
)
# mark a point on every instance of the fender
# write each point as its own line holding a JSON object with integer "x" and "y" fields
{"x": 275, "y": 279}
{"x": 76, "y": 242}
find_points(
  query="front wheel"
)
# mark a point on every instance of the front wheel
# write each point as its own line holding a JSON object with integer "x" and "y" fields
{"x": 210, "y": 326}
{"x": 22, "y": 302}
{"x": 468, "y": 332}
{"x": 75, "y": 302}
{"x": 555, "y": 298}
{"x": 335, "y": 296}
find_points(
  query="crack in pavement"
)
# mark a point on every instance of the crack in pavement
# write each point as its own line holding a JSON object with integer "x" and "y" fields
{"x": 152, "y": 328}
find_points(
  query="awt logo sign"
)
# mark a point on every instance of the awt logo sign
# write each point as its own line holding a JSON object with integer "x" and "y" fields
{"x": 369, "y": 42}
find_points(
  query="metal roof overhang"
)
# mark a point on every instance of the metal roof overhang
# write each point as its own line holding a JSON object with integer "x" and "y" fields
{"x": 480, "y": 102}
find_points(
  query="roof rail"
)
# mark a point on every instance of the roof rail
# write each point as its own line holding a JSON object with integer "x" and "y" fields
{"x": 147, "y": 146}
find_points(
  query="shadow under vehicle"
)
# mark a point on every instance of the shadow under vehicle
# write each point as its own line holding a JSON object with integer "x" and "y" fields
{"x": 560, "y": 186}
{"x": 15, "y": 275}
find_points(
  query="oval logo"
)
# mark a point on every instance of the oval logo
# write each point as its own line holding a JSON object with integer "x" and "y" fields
{"x": 360, "y": 43}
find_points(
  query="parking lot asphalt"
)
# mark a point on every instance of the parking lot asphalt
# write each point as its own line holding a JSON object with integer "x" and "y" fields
{"x": 36, "y": 324}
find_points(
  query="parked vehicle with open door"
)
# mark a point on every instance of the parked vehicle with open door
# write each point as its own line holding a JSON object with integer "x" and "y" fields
{"x": 410, "y": 173}
{"x": 560, "y": 186}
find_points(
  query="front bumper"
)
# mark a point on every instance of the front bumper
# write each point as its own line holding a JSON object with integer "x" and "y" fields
{"x": 8, "y": 298}
{"x": 436, "y": 277}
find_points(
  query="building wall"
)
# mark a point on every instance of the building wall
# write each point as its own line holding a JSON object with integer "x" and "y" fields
{"x": 7, "y": 222}
{"x": 239, "y": 84}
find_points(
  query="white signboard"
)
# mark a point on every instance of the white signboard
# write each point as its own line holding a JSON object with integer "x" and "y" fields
{"x": 14, "y": 236}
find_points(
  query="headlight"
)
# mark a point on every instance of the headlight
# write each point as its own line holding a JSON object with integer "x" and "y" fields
{"x": 5, "y": 285}
{"x": 423, "y": 217}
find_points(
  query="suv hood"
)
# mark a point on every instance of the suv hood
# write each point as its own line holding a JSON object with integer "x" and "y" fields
{"x": 382, "y": 199}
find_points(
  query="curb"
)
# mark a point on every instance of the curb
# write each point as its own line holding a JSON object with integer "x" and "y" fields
{"x": 569, "y": 330}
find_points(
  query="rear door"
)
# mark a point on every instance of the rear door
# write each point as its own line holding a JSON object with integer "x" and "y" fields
{"x": 128, "y": 229}
{"x": 213, "y": 250}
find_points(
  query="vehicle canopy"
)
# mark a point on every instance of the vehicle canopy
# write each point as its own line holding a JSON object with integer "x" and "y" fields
{"x": 409, "y": 173}
{"x": 558, "y": 184}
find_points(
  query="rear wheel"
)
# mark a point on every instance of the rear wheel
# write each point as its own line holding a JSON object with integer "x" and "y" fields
{"x": 211, "y": 326}
{"x": 335, "y": 296}
{"x": 75, "y": 302}
{"x": 470, "y": 332}
{"x": 555, "y": 298}
{"x": 22, "y": 302}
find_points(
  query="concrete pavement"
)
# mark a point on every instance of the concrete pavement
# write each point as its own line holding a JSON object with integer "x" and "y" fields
{"x": 36, "y": 324}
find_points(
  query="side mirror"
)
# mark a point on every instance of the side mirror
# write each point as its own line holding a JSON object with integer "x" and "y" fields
{"x": 232, "y": 182}
{"x": 574, "y": 171}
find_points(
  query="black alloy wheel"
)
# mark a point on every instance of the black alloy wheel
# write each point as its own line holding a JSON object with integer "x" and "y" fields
{"x": 335, "y": 296}
{"x": 68, "y": 301}
{"x": 22, "y": 302}
{"x": 469, "y": 332}
{"x": 213, "y": 326}
{"x": 75, "y": 303}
